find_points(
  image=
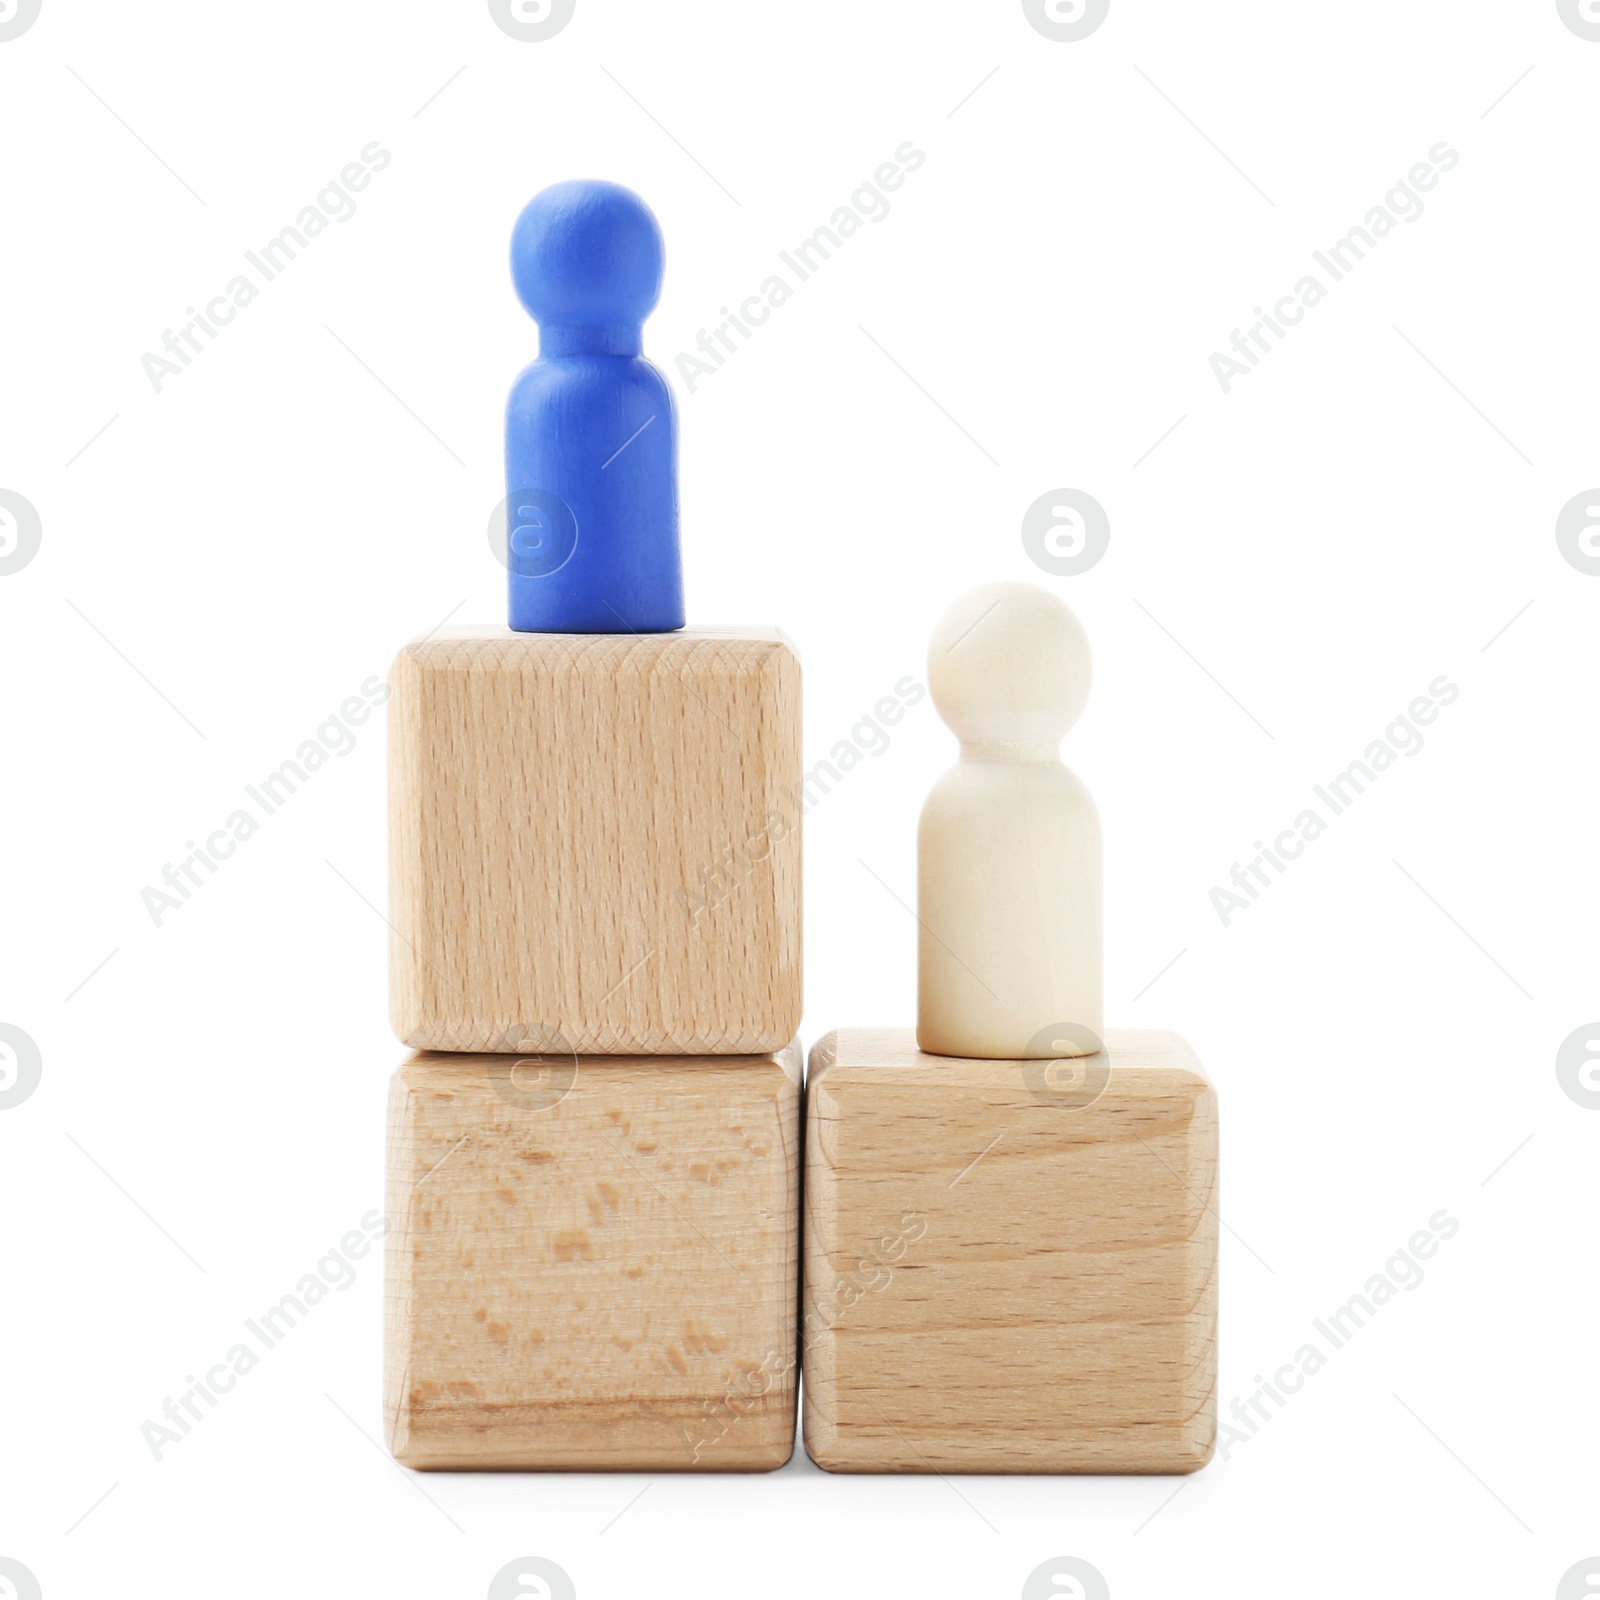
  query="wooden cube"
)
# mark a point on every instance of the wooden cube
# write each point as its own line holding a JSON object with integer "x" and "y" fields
{"x": 1009, "y": 1266}
{"x": 593, "y": 1263}
{"x": 595, "y": 842}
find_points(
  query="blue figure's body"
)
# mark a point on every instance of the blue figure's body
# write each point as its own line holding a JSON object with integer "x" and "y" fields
{"x": 591, "y": 436}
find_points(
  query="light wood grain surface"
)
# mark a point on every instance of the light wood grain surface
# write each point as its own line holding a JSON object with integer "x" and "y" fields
{"x": 604, "y": 1277}
{"x": 1009, "y": 1266}
{"x": 596, "y": 839}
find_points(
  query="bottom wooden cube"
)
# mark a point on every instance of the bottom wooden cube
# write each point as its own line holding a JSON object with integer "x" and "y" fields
{"x": 1009, "y": 1266}
{"x": 593, "y": 1263}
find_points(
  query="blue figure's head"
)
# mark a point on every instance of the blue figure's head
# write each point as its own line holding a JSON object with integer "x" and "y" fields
{"x": 586, "y": 259}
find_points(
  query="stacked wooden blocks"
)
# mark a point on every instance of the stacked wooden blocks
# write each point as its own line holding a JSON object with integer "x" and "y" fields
{"x": 595, "y": 1203}
{"x": 595, "y": 1156}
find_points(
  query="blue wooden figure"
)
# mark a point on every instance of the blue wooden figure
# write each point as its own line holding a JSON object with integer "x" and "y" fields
{"x": 591, "y": 436}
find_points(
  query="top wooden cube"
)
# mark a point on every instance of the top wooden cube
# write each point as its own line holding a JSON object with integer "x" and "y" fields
{"x": 595, "y": 842}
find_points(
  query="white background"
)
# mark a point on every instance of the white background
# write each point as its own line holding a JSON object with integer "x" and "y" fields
{"x": 229, "y": 559}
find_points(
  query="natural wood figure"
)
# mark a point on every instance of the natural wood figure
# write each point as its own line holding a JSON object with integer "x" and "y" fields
{"x": 1008, "y": 850}
{"x": 593, "y": 1263}
{"x": 595, "y": 841}
{"x": 1010, "y": 1266}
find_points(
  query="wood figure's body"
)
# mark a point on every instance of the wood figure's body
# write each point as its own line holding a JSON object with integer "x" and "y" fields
{"x": 1008, "y": 849}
